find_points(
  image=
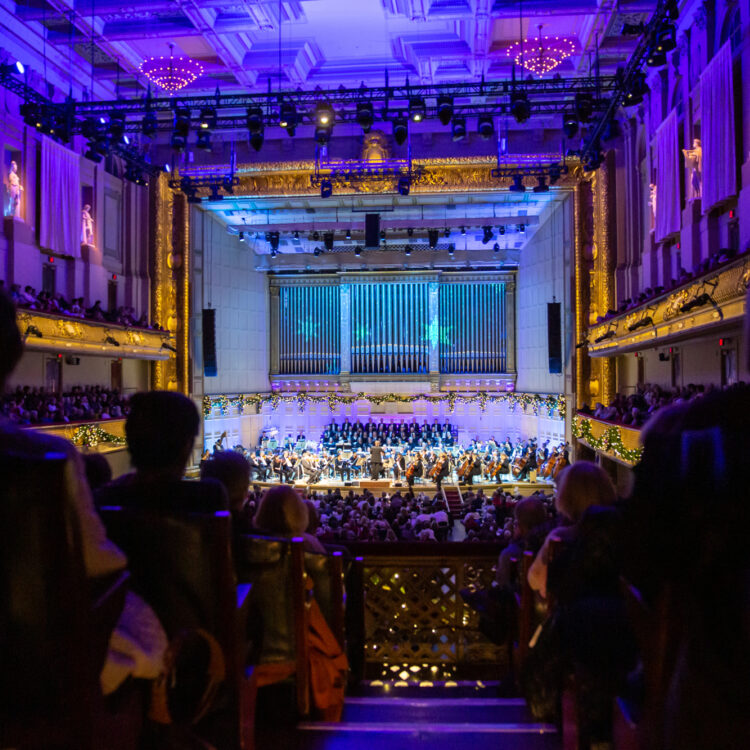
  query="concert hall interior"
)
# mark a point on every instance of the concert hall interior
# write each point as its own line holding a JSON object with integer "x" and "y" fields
{"x": 328, "y": 329}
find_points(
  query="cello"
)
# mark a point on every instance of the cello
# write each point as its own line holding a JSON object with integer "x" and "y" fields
{"x": 520, "y": 464}
{"x": 465, "y": 466}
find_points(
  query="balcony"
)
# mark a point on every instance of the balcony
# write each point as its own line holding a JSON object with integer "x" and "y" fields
{"x": 61, "y": 333}
{"x": 715, "y": 299}
{"x": 615, "y": 441}
{"x": 104, "y": 436}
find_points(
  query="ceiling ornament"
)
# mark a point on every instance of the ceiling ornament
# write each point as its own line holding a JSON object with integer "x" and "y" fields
{"x": 171, "y": 73}
{"x": 541, "y": 55}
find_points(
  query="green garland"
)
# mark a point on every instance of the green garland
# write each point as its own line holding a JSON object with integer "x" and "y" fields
{"x": 534, "y": 401}
{"x": 610, "y": 441}
{"x": 90, "y": 435}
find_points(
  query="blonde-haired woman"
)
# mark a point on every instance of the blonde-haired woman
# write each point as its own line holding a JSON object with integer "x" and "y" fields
{"x": 580, "y": 486}
{"x": 282, "y": 512}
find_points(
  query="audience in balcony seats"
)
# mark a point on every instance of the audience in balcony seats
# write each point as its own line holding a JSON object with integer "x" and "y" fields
{"x": 232, "y": 469}
{"x": 282, "y": 512}
{"x": 686, "y": 551}
{"x": 531, "y": 518}
{"x": 138, "y": 643}
{"x": 160, "y": 431}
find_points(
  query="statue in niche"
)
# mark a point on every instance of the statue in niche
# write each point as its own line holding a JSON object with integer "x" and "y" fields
{"x": 694, "y": 162}
{"x": 375, "y": 146}
{"x": 87, "y": 226}
{"x": 15, "y": 188}
{"x": 652, "y": 204}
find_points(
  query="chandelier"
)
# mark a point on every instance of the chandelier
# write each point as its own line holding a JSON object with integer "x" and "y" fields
{"x": 540, "y": 55}
{"x": 171, "y": 73}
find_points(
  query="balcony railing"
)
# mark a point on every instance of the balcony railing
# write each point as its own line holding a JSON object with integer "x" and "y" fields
{"x": 615, "y": 441}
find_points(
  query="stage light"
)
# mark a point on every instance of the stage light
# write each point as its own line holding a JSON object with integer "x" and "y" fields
{"x": 520, "y": 107}
{"x": 416, "y": 109}
{"x": 215, "y": 195}
{"x": 404, "y": 185}
{"x": 496, "y": 247}
{"x": 167, "y": 168}
{"x": 207, "y": 120}
{"x": 666, "y": 38}
{"x": 485, "y": 127}
{"x": 288, "y": 117}
{"x": 400, "y": 129}
{"x": 445, "y": 108}
{"x": 517, "y": 186}
{"x": 12, "y": 68}
{"x": 204, "y": 140}
{"x": 446, "y": 232}
{"x": 451, "y": 249}
{"x": 326, "y": 189}
{"x": 486, "y": 234}
{"x": 365, "y": 115}
{"x": 227, "y": 185}
{"x": 92, "y": 154}
{"x": 501, "y": 230}
{"x": 593, "y": 161}
{"x": 638, "y": 89}
{"x": 180, "y": 127}
{"x": 149, "y": 123}
{"x": 541, "y": 186}
{"x": 242, "y": 236}
{"x": 522, "y": 228}
{"x": 295, "y": 234}
{"x": 458, "y": 129}
{"x": 328, "y": 240}
{"x": 584, "y": 107}
{"x": 324, "y": 114}
{"x": 116, "y": 127}
{"x": 273, "y": 252}
{"x": 317, "y": 252}
{"x": 432, "y": 238}
{"x": 410, "y": 232}
{"x": 256, "y": 140}
{"x": 656, "y": 58}
{"x": 673, "y": 10}
{"x": 316, "y": 235}
{"x": 323, "y": 134}
{"x": 254, "y": 120}
{"x": 463, "y": 231}
{"x": 358, "y": 251}
{"x": 30, "y": 113}
{"x": 570, "y": 125}
{"x": 407, "y": 250}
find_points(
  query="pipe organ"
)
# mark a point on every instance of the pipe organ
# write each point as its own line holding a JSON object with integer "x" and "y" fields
{"x": 410, "y": 323}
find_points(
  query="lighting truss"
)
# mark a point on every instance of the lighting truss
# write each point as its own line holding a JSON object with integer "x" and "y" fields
{"x": 547, "y": 171}
{"x": 359, "y": 170}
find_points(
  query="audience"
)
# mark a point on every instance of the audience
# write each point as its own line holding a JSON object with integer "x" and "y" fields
{"x": 29, "y": 405}
{"x": 232, "y": 469}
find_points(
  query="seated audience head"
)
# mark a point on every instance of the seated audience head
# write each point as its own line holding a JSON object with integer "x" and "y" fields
{"x": 161, "y": 430}
{"x": 580, "y": 486}
{"x": 11, "y": 344}
{"x": 233, "y": 471}
{"x": 282, "y": 511}
{"x": 98, "y": 470}
{"x": 530, "y": 513}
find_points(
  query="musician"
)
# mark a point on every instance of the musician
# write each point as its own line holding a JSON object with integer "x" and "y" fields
{"x": 474, "y": 469}
{"x": 443, "y": 470}
{"x": 415, "y": 470}
{"x": 399, "y": 467}
{"x": 307, "y": 468}
{"x": 343, "y": 465}
{"x": 376, "y": 460}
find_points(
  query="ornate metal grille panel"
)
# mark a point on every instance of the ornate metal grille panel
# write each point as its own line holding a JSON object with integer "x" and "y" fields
{"x": 390, "y": 327}
{"x": 309, "y": 330}
{"x": 414, "y": 613}
{"x": 472, "y": 328}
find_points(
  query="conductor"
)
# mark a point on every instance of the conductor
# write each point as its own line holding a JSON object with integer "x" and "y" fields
{"x": 376, "y": 460}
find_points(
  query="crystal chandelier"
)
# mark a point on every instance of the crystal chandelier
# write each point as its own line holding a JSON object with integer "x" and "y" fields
{"x": 540, "y": 55}
{"x": 171, "y": 73}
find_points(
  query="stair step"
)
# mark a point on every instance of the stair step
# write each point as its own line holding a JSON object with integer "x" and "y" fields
{"x": 408, "y": 736}
{"x": 441, "y": 710}
{"x": 450, "y": 690}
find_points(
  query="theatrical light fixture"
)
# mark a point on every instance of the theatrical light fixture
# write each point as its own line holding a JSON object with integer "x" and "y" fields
{"x": 254, "y": 120}
{"x": 180, "y": 127}
{"x": 445, "y": 108}
{"x": 316, "y": 235}
{"x": 328, "y": 240}
{"x": 458, "y": 129}
{"x": 520, "y": 107}
{"x": 416, "y": 109}
{"x": 463, "y": 231}
{"x": 256, "y": 141}
{"x": 204, "y": 140}
{"x": 501, "y": 230}
{"x": 666, "y": 38}
{"x": 517, "y": 186}
{"x": 404, "y": 185}
{"x": 407, "y": 250}
{"x": 638, "y": 89}
{"x": 451, "y": 249}
{"x": 288, "y": 117}
{"x": 365, "y": 115}
{"x": 358, "y": 251}
{"x": 317, "y": 252}
{"x": 12, "y": 68}
{"x": 522, "y": 228}
{"x": 496, "y": 247}
{"x": 326, "y": 189}
{"x": 400, "y": 129}
{"x": 171, "y": 73}
{"x": 149, "y": 123}
{"x": 432, "y": 238}
{"x": 242, "y": 236}
{"x": 541, "y": 186}
{"x": 273, "y": 252}
{"x": 673, "y": 10}
{"x": 485, "y": 127}
{"x": 116, "y": 126}
{"x": 410, "y": 232}
{"x": 486, "y": 234}
{"x": 324, "y": 114}
{"x": 30, "y": 113}
{"x": 570, "y": 125}
{"x": 656, "y": 57}
{"x": 207, "y": 119}
{"x": 554, "y": 174}
{"x": 446, "y": 232}
{"x": 584, "y": 106}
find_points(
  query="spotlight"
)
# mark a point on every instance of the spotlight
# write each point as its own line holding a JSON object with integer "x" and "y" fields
{"x": 485, "y": 127}
{"x": 326, "y": 189}
{"x": 638, "y": 89}
{"x": 358, "y": 251}
{"x": 400, "y": 129}
{"x": 496, "y": 247}
{"x": 541, "y": 186}
{"x": 656, "y": 57}
{"x": 432, "y": 238}
{"x": 519, "y": 106}
{"x": 446, "y": 232}
{"x": 207, "y": 120}
{"x": 404, "y": 185}
{"x": 149, "y": 123}
{"x": 666, "y": 39}
{"x": 30, "y": 113}
{"x": 11, "y": 68}
{"x": 584, "y": 107}
{"x": 501, "y": 230}
{"x": 256, "y": 140}
{"x": 410, "y": 232}
{"x": 167, "y": 167}
{"x": 242, "y": 236}
{"x": 295, "y": 234}
{"x": 116, "y": 127}
{"x": 316, "y": 235}
{"x": 328, "y": 240}
{"x": 365, "y": 115}
{"x": 323, "y": 134}
{"x": 382, "y": 234}
{"x": 273, "y": 238}
{"x": 445, "y": 108}
{"x": 570, "y": 125}
{"x": 451, "y": 249}
{"x": 407, "y": 250}
{"x": 416, "y": 109}
{"x": 522, "y": 228}
{"x": 254, "y": 120}
{"x": 486, "y": 234}
{"x": 324, "y": 114}
{"x": 517, "y": 186}
{"x": 273, "y": 252}
{"x": 288, "y": 117}
{"x": 204, "y": 140}
{"x": 458, "y": 130}
{"x": 463, "y": 231}
{"x": 180, "y": 128}
{"x": 317, "y": 252}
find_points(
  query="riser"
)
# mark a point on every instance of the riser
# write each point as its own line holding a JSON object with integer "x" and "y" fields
{"x": 443, "y": 711}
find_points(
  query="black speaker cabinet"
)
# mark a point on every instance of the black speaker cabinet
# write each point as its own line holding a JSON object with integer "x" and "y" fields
{"x": 372, "y": 230}
{"x": 210, "y": 366}
{"x": 554, "y": 337}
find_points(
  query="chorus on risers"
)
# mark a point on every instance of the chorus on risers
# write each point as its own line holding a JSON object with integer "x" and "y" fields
{"x": 490, "y": 461}
{"x": 413, "y": 435}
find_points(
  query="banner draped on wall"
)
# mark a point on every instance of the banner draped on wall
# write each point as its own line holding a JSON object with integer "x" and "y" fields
{"x": 60, "y": 221}
{"x": 525, "y": 400}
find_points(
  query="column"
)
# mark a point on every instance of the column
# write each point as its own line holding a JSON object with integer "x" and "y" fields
{"x": 433, "y": 328}
{"x": 345, "y": 338}
{"x": 510, "y": 326}
{"x": 275, "y": 332}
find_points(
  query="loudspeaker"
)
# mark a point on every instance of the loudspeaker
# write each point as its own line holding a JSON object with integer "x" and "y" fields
{"x": 210, "y": 368}
{"x": 554, "y": 337}
{"x": 372, "y": 230}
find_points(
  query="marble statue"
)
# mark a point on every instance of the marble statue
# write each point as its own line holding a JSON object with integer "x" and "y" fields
{"x": 652, "y": 204}
{"x": 14, "y": 191}
{"x": 87, "y": 226}
{"x": 694, "y": 161}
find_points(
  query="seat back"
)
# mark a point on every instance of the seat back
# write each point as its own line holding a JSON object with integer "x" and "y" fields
{"x": 47, "y": 674}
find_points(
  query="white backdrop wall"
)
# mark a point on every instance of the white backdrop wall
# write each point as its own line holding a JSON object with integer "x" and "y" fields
{"x": 543, "y": 274}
